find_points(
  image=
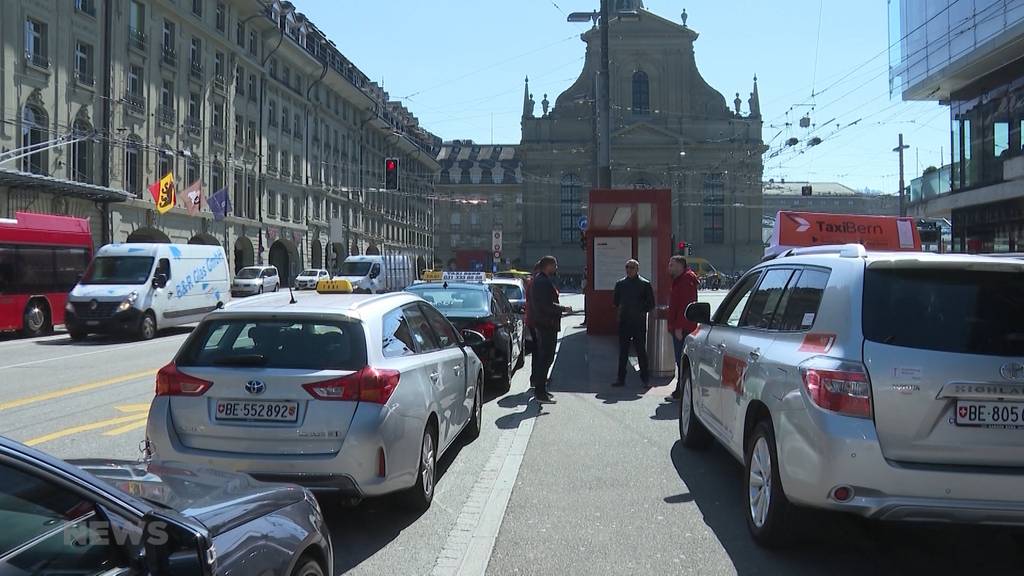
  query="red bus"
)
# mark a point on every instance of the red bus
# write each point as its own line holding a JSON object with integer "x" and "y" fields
{"x": 41, "y": 258}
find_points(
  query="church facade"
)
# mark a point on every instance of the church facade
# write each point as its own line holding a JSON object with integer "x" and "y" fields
{"x": 669, "y": 129}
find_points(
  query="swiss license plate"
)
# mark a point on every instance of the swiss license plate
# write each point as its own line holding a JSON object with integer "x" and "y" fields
{"x": 257, "y": 411}
{"x": 971, "y": 413}
{"x": 92, "y": 322}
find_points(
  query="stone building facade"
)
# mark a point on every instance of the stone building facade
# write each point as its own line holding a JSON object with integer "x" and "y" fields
{"x": 240, "y": 95}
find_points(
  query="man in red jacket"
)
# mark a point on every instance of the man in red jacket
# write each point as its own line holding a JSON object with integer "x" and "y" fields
{"x": 684, "y": 292}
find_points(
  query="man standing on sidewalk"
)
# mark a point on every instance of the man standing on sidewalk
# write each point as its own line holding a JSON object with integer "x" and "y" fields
{"x": 684, "y": 292}
{"x": 546, "y": 316}
{"x": 634, "y": 299}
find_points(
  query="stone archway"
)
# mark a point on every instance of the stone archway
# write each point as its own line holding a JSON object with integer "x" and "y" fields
{"x": 147, "y": 234}
{"x": 421, "y": 265}
{"x": 285, "y": 257}
{"x": 205, "y": 239}
{"x": 244, "y": 253}
{"x": 316, "y": 254}
{"x": 372, "y": 250}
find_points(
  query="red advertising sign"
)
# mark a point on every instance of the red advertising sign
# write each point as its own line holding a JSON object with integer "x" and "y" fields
{"x": 884, "y": 233}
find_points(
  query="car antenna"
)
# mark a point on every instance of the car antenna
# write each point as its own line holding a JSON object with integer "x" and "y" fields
{"x": 292, "y": 295}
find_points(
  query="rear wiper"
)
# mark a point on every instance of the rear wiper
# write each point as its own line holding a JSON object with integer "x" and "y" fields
{"x": 242, "y": 360}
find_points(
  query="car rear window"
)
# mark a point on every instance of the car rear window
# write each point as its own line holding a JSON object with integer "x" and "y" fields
{"x": 947, "y": 310}
{"x": 299, "y": 344}
{"x": 467, "y": 302}
{"x": 512, "y": 291}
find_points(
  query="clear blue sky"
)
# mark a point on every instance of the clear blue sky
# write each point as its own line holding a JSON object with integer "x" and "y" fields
{"x": 458, "y": 64}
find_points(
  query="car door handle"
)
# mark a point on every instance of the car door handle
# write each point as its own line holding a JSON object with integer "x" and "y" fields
{"x": 755, "y": 355}
{"x": 457, "y": 369}
{"x": 434, "y": 377}
{"x": 721, "y": 347}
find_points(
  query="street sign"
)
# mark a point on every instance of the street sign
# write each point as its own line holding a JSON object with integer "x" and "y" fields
{"x": 496, "y": 238}
{"x": 583, "y": 222}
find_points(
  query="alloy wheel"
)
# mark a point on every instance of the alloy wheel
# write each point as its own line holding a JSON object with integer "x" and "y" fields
{"x": 427, "y": 465}
{"x": 759, "y": 483}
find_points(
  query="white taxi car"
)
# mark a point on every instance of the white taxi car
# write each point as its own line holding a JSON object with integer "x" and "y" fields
{"x": 356, "y": 394}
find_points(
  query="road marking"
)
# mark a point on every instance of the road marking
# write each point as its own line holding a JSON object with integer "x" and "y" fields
{"x": 73, "y": 390}
{"x": 143, "y": 420}
{"x": 130, "y": 408}
{"x": 90, "y": 353}
{"x": 85, "y": 428}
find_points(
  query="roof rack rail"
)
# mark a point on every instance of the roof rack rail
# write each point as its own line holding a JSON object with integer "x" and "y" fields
{"x": 843, "y": 250}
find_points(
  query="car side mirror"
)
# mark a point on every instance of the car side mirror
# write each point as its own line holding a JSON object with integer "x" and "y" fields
{"x": 519, "y": 307}
{"x": 375, "y": 273}
{"x": 699, "y": 312}
{"x": 174, "y": 547}
{"x": 472, "y": 338}
{"x": 159, "y": 280}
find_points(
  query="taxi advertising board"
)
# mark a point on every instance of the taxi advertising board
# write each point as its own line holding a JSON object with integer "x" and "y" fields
{"x": 878, "y": 233}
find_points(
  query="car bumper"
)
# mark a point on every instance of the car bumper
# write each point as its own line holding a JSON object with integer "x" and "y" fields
{"x": 352, "y": 471}
{"x": 305, "y": 284}
{"x": 239, "y": 291}
{"x": 820, "y": 452}
{"x": 120, "y": 322}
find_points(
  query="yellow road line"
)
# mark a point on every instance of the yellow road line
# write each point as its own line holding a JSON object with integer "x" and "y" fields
{"x": 73, "y": 390}
{"x": 130, "y": 408}
{"x": 85, "y": 428}
{"x": 128, "y": 427}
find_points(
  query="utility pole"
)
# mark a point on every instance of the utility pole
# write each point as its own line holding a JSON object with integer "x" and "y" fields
{"x": 108, "y": 64}
{"x": 900, "y": 148}
{"x": 604, "y": 172}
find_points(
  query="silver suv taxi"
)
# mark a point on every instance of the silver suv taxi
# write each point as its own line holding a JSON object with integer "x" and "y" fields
{"x": 889, "y": 385}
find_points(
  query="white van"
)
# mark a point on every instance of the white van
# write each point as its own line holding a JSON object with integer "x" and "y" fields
{"x": 141, "y": 288}
{"x": 377, "y": 274}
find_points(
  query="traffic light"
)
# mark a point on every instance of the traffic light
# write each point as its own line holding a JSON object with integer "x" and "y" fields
{"x": 391, "y": 173}
{"x": 682, "y": 248}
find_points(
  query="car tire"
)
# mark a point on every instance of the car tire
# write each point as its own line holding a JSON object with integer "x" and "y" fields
{"x": 260, "y": 291}
{"x": 522, "y": 356}
{"x": 147, "y": 326}
{"x": 692, "y": 433}
{"x": 36, "y": 319}
{"x": 308, "y": 567}
{"x": 769, "y": 513}
{"x": 77, "y": 335}
{"x": 421, "y": 494}
{"x": 508, "y": 368}
{"x": 277, "y": 287}
{"x": 476, "y": 419}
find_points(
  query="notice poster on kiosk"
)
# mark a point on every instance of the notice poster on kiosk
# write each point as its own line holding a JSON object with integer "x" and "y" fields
{"x": 610, "y": 256}
{"x": 878, "y": 233}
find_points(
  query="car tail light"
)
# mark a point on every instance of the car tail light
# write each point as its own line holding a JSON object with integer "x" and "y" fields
{"x": 486, "y": 328}
{"x": 838, "y": 386}
{"x": 172, "y": 382}
{"x": 368, "y": 385}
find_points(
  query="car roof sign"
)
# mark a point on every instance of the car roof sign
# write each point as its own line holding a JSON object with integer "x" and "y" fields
{"x": 334, "y": 287}
{"x": 453, "y": 276}
{"x": 878, "y": 233}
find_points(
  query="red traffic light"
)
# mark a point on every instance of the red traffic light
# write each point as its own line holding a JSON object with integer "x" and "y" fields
{"x": 682, "y": 246}
{"x": 390, "y": 165}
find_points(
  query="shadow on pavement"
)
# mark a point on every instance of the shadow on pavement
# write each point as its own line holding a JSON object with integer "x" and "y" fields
{"x": 108, "y": 339}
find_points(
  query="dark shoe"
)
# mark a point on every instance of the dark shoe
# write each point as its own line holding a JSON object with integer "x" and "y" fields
{"x": 544, "y": 398}
{"x": 676, "y": 395}
{"x": 646, "y": 381}
{"x": 618, "y": 384}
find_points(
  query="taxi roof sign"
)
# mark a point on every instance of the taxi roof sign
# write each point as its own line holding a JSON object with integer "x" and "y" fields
{"x": 334, "y": 287}
{"x": 805, "y": 229}
{"x": 453, "y": 276}
{"x": 432, "y": 275}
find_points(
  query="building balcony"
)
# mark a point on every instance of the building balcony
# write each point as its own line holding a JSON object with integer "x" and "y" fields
{"x": 165, "y": 115}
{"x": 218, "y": 83}
{"x": 217, "y": 135}
{"x": 135, "y": 104}
{"x": 85, "y": 79}
{"x": 137, "y": 39}
{"x": 169, "y": 56}
{"x": 37, "y": 60}
{"x": 271, "y": 168}
{"x": 193, "y": 126}
{"x": 196, "y": 69}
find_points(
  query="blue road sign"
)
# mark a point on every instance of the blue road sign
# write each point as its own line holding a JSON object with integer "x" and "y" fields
{"x": 583, "y": 222}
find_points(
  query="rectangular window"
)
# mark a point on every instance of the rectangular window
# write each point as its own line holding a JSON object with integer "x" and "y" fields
{"x": 218, "y": 115}
{"x": 35, "y": 42}
{"x": 135, "y": 80}
{"x": 86, "y": 6}
{"x": 218, "y": 65}
{"x": 272, "y": 157}
{"x": 239, "y": 194}
{"x": 272, "y": 203}
{"x": 137, "y": 19}
{"x": 253, "y": 42}
{"x": 250, "y": 197}
{"x": 239, "y": 130}
{"x": 273, "y": 113}
{"x": 239, "y": 80}
{"x": 298, "y": 209}
{"x": 297, "y": 166}
{"x": 195, "y": 107}
{"x": 196, "y": 53}
{"x": 298, "y": 125}
{"x": 284, "y": 119}
{"x": 240, "y": 35}
{"x": 799, "y": 306}
{"x": 163, "y": 163}
{"x": 191, "y": 171}
{"x": 216, "y": 178}
{"x": 132, "y": 170}
{"x": 250, "y": 137}
{"x": 168, "y": 36}
{"x": 83, "y": 63}
{"x": 291, "y": 344}
{"x": 286, "y": 205}
{"x": 714, "y": 209}
{"x": 197, "y": 7}
{"x": 167, "y": 94}
{"x": 252, "y": 87}
{"x": 570, "y": 210}
{"x": 221, "y": 17}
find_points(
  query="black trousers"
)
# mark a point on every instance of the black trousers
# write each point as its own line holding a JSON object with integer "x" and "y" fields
{"x": 635, "y": 336}
{"x": 545, "y": 340}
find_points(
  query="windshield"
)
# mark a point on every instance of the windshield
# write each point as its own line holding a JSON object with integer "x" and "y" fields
{"x": 464, "y": 302}
{"x": 118, "y": 270}
{"x": 960, "y": 311}
{"x": 512, "y": 291}
{"x": 248, "y": 273}
{"x": 313, "y": 273}
{"x": 355, "y": 268}
{"x": 298, "y": 344}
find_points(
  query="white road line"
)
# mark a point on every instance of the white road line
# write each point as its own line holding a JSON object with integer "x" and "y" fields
{"x": 90, "y": 353}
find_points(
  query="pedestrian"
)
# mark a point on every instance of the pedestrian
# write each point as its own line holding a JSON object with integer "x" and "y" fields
{"x": 546, "y": 316}
{"x": 684, "y": 293}
{"x": 634, "y": 299}
{"x": 526, "y": 315}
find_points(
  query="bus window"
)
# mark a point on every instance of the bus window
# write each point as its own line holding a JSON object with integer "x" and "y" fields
{"x": 7, "y": 272}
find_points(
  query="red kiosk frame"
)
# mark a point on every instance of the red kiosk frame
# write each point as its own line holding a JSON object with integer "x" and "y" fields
{"x": 624, "y": 224}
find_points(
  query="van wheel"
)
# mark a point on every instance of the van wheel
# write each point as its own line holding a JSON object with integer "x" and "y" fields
{"x": 692, "y": 432}
{"x": 260, "y": 291}
{"x": 769, "y": 513}
{"x": 147, "y": 326}
{"x": 36, "y": 320}
{"x": 421, "y": 494}
{"x": 277, "y": 287}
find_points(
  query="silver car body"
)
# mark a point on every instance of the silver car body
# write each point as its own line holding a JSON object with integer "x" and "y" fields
{"x": 229, "y": 507}
{"x": 333, "y": 445}
{"x": 267, "y": 279}
{"x": 908, "y": 459}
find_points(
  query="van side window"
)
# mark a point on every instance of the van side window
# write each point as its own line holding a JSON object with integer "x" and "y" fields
{"x": 799, "y": 306}
{"x": 164, "y": 267}
{"x": 765, "y": 300}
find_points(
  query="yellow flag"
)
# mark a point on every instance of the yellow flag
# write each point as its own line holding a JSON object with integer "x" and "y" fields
{"x": 167, "y": 198}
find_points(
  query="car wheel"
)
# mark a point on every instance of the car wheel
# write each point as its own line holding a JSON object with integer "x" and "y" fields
{"x": 421, "y": 494}
{"x": 147, "y": 326}
{"x": 768, "y": 510}
{"x": 77, "y": 335}
{"x": 308, "y": 567}
{"x": 505, "y": 380}
{"x": 276, "y": 287}
{"x": 476, "y": 419}
{"x": 260, "y": 291}
{"x": 36, "y": 320}
{"x": 692, "y": 432}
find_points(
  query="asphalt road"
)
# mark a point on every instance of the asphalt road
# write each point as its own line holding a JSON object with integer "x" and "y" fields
{"x": 595, "y": 484}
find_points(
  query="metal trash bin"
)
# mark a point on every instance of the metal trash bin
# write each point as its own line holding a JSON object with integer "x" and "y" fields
{"x": 660, "y": 351}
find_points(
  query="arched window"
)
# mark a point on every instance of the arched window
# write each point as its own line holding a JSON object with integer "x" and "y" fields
{"x": 641, "y": 93}
{"x": 569, "y": 206}
{"x": 82, "y": 152}
{"x": 33, "y": 132}
{"x": 133, "y": 166}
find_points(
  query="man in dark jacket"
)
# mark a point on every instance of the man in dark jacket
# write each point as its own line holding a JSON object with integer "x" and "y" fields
{"x": 546, "y": 316}
{"x": 634, "y": 299}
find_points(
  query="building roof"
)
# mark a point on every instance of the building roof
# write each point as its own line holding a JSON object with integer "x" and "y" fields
{"x": 817, "y": 189}
{"x": 465, "y": 162}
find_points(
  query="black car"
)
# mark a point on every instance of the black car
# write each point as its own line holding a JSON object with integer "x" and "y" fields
{"x": 482, "y": 308}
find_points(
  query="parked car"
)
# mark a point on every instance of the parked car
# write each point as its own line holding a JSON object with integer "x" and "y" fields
{"x": 356, "y": 394}
{"x": 886, "y": 385}
{"x": 129, "y": 518}
{"x": 482, "y": 308}
{"x": 308, "y": 278}
{"x": 515, "y": 291}
{"x": 255, "y": 280}
{"x": 141, "y": 288}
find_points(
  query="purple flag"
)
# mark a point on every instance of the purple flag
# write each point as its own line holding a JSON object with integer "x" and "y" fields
{"x": 220, "y": 204}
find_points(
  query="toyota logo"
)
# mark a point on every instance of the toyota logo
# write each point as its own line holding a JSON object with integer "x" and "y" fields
{"x": 255, "y": 387}
{"x": 1012, "y": 371}
{"x": 93, "y": 305}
